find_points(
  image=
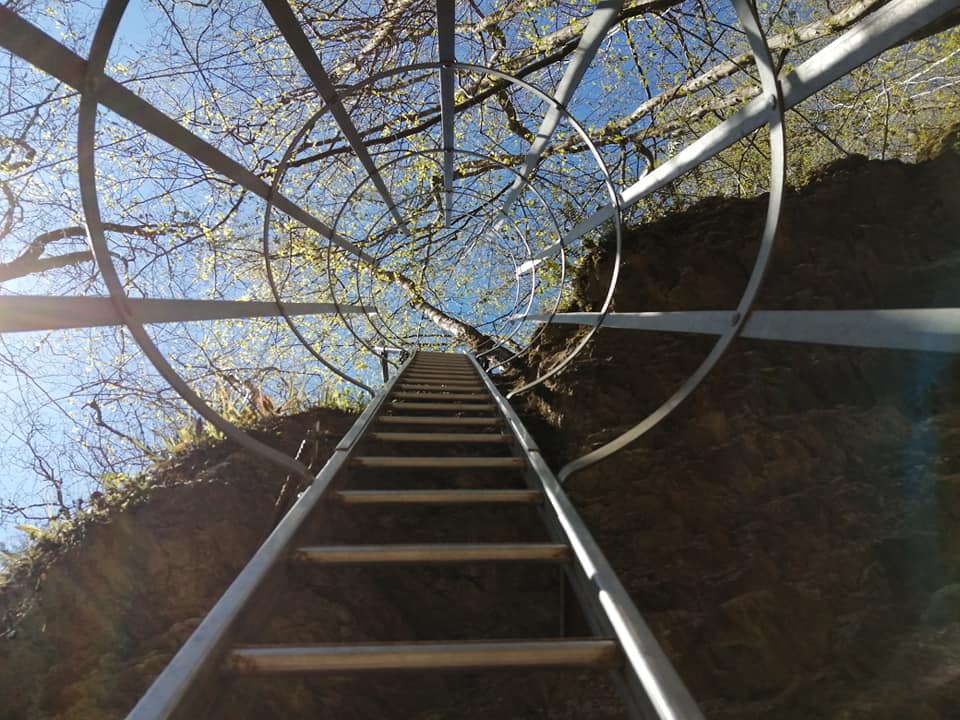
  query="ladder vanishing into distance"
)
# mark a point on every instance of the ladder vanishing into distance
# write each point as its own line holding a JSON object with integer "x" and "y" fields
{"x": 440, "y": 401}
{"x": 444, "y": 407}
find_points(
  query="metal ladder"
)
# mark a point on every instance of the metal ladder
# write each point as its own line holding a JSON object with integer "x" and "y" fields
{"x": 447, "y": 403}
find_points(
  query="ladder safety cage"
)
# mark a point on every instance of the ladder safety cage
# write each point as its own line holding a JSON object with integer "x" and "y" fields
{"x": 445, "y": 401}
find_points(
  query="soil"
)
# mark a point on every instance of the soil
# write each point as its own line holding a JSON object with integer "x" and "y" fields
{"x": 791, "y": 532}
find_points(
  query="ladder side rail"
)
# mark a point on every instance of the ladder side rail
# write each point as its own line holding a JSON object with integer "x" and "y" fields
{"x": 666, "y": 694}
{"x": 199, "y": 655}
{"x": 628, "y": 688}
{"x": 631, "y": 692}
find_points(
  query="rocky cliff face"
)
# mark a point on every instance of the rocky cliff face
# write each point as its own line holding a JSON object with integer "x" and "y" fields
{"x": 106, "y": 606}
{"x": 792, "y": 533}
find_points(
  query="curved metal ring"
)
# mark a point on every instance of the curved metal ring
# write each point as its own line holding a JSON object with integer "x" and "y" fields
{"x": 86, "y": 165}
{"x": 584, "y": 137}
{"x": 278, "y": 176}
{"x": 427, "y": 154}
{"x": 271, "y": 279}
{"x": 357, "y": 188}
{"x": 770, "y": 85}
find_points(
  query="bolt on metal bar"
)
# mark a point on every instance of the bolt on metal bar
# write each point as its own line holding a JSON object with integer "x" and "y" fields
{"x": 204, "y": 648}
{"x": 296, "y": 38}
{"x": 39, "y": 49}
{"x": 925, "y": 329}
{"x": 603, "y": 18}
{"x": 879, "y": 31}
{"x": 27, "y": 313}
{"x": 446, "y": 39}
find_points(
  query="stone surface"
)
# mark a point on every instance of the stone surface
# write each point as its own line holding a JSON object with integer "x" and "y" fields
{"x": 791, "y": 532}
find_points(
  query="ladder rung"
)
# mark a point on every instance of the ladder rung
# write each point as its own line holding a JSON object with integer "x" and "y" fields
{"x": 444, "y": 367}
{"x": 443, "y": 370}
{"x": 397, "y": 461}
{"x": 441, "y": 437}
{"x": 451, "y": 387}
{"x": 460, "y": 385}
{"x": 459, "y": 362}
{"x": 438, "y": 377}
{"x": 442, "y": 396}
{"x": 436, "y": 553}
{"x": 431, "y": 364}
{"x": 456, "y": 655}
{"x": 441, "y": 367}
{"x": 432, "y": 420}
{"x": 439, "y": 381}
{"x": 452, "y": 406}
{"x": 438, "y": 497}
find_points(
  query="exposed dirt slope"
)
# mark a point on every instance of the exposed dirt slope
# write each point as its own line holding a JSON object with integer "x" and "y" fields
{"x": 106, "y": 608}
{"x": 792, "y": 531}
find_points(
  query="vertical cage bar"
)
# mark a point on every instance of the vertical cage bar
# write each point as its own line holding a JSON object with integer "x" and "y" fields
{"x": 296, "y": 38}
{"x": 446, "y": 39}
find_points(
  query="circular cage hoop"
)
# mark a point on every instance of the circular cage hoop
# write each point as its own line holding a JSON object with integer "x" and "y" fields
{"x": 537, "y": 92}
{"x": 346, "y": 321}
{"x": 89, "y": 103}
{"x": 86, "y": 165}
{"x": 777, "y": 142}
{"x": 549, "y": 211}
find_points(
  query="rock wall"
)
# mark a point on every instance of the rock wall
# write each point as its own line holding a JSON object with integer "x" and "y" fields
{"x": 107, "y": 606}
{"x": 791, "y": 532}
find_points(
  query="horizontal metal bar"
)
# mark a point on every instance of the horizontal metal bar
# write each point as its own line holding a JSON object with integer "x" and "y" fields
{"x": 928, "y": 329}
{"x": 432, "y": 553}
{"x": 26, "y": 313}
{"x": 36, "y": 47}
{"x": 398, "y": 461}
{"x": 433, "y": 362}
{"x": 438, "y": 497}
{"x": 594, "y": 653}
{"x": 528, "y": 265}
{"x": 439, "y": 363}
{"x": 434, "y": 420}
{"x": 440, "y": 386}
{"x": 548, "y": 252}
{"x": 440, "y": 396}
{"x": 441, "y": 370}
{"x": 446, "y": 382}
{"x": 205, "y": 645}
{"x": 451, "y": 407}
{"x": 493, "y": 438}
{"x": 891, "y": 24}
{"x": 453, "y": 361}
{"x": 710, "y": 322}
